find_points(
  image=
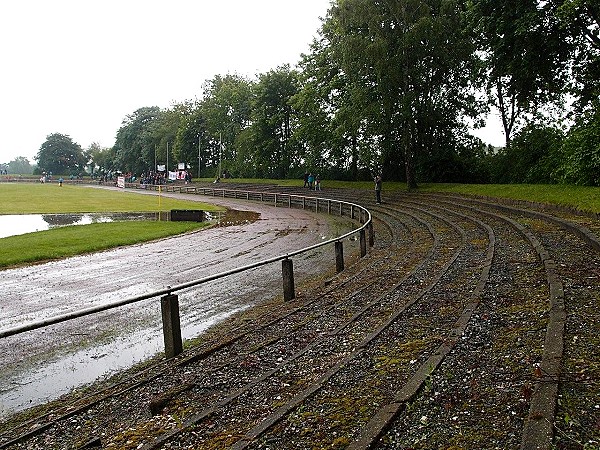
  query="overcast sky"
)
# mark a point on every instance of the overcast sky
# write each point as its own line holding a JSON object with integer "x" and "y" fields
{"x": 79, "y": 67}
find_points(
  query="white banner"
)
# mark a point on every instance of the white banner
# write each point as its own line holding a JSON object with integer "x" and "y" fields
{"x": 121, "y": 182}
{"x": 181, "y": 166}
{"x": 160, "y": 167}
{"x": 172, "y": 175}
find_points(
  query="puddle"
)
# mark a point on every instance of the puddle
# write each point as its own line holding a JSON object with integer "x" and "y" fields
{"x": 16, "y": 224}
{"x": 90, "y": 364}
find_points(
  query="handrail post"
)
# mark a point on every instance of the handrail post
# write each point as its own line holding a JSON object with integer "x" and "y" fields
{"x": 287, "y": 270}
{"x": 371, "y": 234}
{"x": 363, "y": 243}
{"x": 339, "y": 256}
{"x": 169, "y": 305}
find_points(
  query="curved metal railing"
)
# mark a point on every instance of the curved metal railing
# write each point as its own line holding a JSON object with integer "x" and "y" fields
{"x": 278, "y": 199}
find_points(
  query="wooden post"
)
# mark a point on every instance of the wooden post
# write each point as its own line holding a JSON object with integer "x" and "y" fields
{"x": 363, "y": 243}
{"x": 339, "y": 256}
{"x": 371, "y": 235}
{"x": 287, "y": 269}
{"x": 169, "y": 305}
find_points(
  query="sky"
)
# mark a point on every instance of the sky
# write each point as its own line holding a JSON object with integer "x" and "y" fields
{"x": 79, "y": 67}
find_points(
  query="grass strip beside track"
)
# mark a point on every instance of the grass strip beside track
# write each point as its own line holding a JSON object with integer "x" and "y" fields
{"x": 583, "y": 198}
{"x": 82, "y": 239}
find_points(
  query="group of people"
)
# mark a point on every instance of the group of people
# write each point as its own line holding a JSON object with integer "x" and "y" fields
{"x": 312, "y": 181}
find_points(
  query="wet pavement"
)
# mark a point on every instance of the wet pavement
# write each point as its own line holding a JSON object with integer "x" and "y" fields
{"x": 41, "y": 365}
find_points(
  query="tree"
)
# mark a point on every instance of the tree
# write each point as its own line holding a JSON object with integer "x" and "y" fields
{"x": 100, "y": 159}
{"x": 191, "y": 139}
{"x": 271, "y": 152}
{"x": 580, "y": 20}
{"x": 225, "y": 110}
{"x": 580, "y": 153}
{"x": 526, "y": 54}
{"x": 409, "y": 65}
{"x": 60, "y": 155}
{"x": 327, "y": 125}
{"x": 20, "y": 165}
{"x": 137, "y": 142}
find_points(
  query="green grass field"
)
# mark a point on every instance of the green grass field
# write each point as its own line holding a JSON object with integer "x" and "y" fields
{"x": 24, "y": 198}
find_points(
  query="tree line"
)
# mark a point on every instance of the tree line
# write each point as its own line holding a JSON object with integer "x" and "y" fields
{"x": 393, "y": 87}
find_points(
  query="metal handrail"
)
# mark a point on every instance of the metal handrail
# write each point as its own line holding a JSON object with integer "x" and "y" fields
{"x": 170, "y": 289}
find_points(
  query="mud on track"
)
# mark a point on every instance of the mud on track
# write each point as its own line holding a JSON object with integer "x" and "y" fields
{"x": 41, "y": 365}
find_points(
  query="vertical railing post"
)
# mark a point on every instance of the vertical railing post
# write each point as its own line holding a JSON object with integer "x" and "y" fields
{"x": 371, "y": 234}
{"x": 363, "y": 243}
{"x": 287, "y": 270}
{"x": 169, "y": 305}
{"x": 339, "y": 256}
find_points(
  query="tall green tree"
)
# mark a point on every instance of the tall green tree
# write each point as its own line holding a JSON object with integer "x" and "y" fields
{"x": 226, "y": 111}
{"x": 526, "y": 53}
{"x": 20, "y": 165}
{"x": 409, "y": 65}
{"x": 327, "y": 130}
{"x": 272, "y": 153}
{"x": 137, "y": 142}
{"x": 580, "y": 20}
{"x": 100, "y": 159}
{"x": 60, "y": 155}
{"x": 192, "y": 141}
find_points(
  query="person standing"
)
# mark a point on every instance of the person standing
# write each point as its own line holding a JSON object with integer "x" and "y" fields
{"x": 378, "y": 189}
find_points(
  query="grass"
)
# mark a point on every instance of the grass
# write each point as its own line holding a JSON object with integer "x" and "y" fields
{"x": 583, "y": 198}
{"x": 80, "y": 239}
{"x": 25, "y": 198}
{"x": 22, "y": 198}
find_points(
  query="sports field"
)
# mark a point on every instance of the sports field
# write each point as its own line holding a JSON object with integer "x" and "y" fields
{"x": 25, "y": 198}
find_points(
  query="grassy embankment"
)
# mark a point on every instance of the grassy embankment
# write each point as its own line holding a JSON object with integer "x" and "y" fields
{"x": 61, "y": 242}
{"x": 583, "y": 198}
